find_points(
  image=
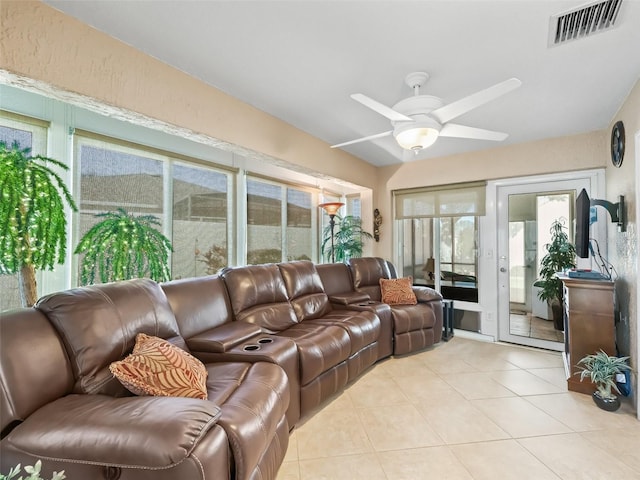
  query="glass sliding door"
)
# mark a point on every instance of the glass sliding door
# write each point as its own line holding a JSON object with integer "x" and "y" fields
{"x": 525, "y": 214}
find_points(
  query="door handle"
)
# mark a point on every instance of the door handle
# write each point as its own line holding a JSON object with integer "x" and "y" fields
{"x": 503, "y": 270}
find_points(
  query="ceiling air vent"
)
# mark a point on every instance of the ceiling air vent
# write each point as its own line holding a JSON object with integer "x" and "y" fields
{"x": 589, "y": 19}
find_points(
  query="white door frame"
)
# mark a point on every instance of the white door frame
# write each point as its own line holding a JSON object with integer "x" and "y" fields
{"x": 497, "y": 202}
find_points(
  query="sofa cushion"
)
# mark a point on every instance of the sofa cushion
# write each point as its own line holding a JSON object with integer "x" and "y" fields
{"x": 155, "y": 367}
{"x": 305, "y": 290}
{"x": 320, "y": 347}
{"x": 99, "y": 324}
{"x": 366, "y": 273}
{"x": 136, "y": 432}
{"x": 407, "y": 318}
{"x": 253, "y": 398}
{"x": 363, "y": 327}
{"x": 397, "y": 291}
{"x": 199, "y": 304}
{"x": 258, "y": 295}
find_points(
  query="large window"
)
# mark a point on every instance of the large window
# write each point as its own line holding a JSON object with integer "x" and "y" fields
{"x": 438, "y": 231}
{"x": 116, "y": 176}
{"x": 28, "y": 133}
{"x": 279, "y": 222}
{"x": 299, "y": 232}
{"x": 200, "y": 220}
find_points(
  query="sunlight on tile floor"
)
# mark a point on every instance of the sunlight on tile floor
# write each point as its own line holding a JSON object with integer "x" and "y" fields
{"x": 465, "y": 410}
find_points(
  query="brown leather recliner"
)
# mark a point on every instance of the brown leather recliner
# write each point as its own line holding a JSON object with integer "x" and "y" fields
{"x": 338, "y": 285}
{"x": 59, "y": 402}
{"x": 287, "y": 301}
{"x": 414, "y": 326}
{"x": 203, "y": 312}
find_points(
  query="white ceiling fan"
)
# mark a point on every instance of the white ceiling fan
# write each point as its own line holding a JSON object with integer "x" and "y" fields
{"x": 418, "y": 121}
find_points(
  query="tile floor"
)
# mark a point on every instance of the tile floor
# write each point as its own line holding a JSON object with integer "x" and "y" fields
{"x": 527, "y": 325}
{"x": 465, "y": 410}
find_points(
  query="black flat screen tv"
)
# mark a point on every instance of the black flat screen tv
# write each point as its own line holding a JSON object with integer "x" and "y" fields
{"x": 583, "y": 204}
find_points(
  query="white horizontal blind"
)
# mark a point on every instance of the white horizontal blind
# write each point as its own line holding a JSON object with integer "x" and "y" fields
{"x": 441, "y": 201}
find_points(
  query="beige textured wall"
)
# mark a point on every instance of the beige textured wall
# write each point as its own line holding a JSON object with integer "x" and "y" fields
{"x": 43, "y": 44}
{"x": 576, "y": 152}
{"x": 623, "y": 246}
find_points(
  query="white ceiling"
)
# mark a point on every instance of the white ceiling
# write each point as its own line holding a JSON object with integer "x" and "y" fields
{"x": 300, "y": 61}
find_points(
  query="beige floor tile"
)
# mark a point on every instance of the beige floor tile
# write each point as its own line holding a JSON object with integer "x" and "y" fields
{"x": 332, "y": 433}
{"x": 501, "y": 460}
{"x": 572, "y": 457}
{"x": 351, "y": 467}
{"x": 529, "y": 358}
{"x": 555, "y": 375}
{"x": 621, "y": 443}
{"x": 363, "y": 433}
{"x": 477, "y": 385}
{"x": 289, "y": 471}
{"x": 448, "y": 364}
{"x": 396, "y": 428}
{"x": 579, "y": 413}
{"x": 292, "y": 449}
{"x": 524, "y": 383}
{"x": 423, "y": 464}
{"x": 426, "y": 388}
{"x": 459, "y": 421}
{"x": 403, "y": 366}
{"x": 519, "y": 418}
{"x": 490, "y": 362}
{"x": 376, "y": 391}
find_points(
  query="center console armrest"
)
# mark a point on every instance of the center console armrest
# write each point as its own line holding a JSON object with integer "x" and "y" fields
{"x": 349, "y": 298}
{"x": 138, "y": 432}
{"x": 223, "y": 338}
{"x": 426, "y": 294}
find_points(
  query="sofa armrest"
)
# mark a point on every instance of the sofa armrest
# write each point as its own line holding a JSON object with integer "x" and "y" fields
{"x": 349, "y": 298}
{"x": 426, "y": 294}
{"x": 136, "y": 432}
{"x": 223, "y": 338}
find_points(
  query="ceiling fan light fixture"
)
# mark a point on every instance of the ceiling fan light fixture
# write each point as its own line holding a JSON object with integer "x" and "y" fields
{"x": 415, "y": 137}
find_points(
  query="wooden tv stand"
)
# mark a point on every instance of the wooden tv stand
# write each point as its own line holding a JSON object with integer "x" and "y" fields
{"x": 589, "y": 325}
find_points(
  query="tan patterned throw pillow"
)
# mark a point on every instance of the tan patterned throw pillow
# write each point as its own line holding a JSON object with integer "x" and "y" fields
{"x": 398, "y": 291}
{"x": 158, "y": 368}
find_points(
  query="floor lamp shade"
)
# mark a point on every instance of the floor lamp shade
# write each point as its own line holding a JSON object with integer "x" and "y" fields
{"x": 332, "y": 209}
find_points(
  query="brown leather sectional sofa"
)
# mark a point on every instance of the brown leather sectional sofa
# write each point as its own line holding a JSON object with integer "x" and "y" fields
{"x": 277, "y": 340}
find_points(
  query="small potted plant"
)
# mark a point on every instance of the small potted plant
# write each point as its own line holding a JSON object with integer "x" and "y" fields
{"x": 33, "y": 473}
{"x": 561, "y": 255}
{"x": 602, "y": 369}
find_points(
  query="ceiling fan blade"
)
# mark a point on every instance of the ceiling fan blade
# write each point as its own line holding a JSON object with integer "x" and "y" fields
{"x": 383, "y": 110}
{"x": 462, "y": 131}
{"x": 363, "y": 139}
{"x": 457, "y": 108}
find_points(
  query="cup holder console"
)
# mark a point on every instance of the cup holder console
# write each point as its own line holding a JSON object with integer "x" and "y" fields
{"x": 256, "y": 346}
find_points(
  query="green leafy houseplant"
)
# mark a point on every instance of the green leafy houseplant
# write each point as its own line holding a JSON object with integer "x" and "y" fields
{"x": 602, "y": 369}
{"x": 561, "y": 255}
{"x": 121, "y": 247}
{"x": 32, "y": 216}
{"x": 32, "y": 471}
{"x": 348, "y": 238}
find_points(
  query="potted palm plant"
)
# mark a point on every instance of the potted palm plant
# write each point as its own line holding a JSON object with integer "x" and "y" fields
{"x": 123, "y": 246}
{"x": 602, "y": 369}
{"x": 32, "y": 216}
{"x": 561, "y": 255}
{"x": 348, "y": 238}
